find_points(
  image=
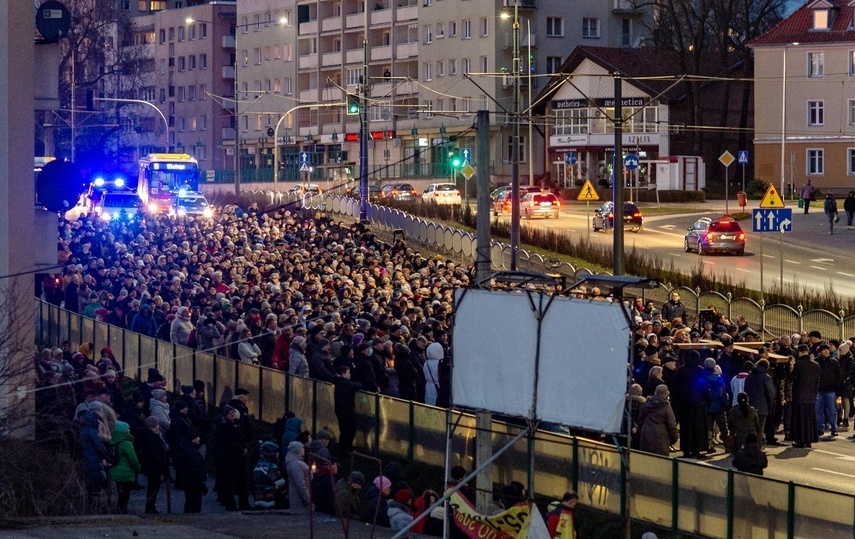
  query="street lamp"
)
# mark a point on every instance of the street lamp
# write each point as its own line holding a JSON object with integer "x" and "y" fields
{"x": 784, "y": 117}
{"x": 276, "y": 135}
{"x": 140, "y": 102}
{"x": 515, "y": 141}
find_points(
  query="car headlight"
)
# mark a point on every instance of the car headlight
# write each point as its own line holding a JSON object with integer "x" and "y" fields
{"x": 208, "y": 212}
{"x": 105, "y": 215}
{"x": 153, "y": 208}
{"x": 182, "y": 212}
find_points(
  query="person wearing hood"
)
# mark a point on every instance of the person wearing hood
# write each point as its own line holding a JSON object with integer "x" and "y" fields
{"x": 125, "y": 471}
{"x": 297, "y": 363}
{"x": 207, "y": 334}
{"x": 320, "y": 365}
{"x": 182, "y": 326}
{"x": 364, "y": 373}
{"x": 94, "y": 454}
{"x": 230, "y": 461}
{"x": 293, "y": 428}
{"x": 399, "y": 509}
{"x": 750, "y": 458}
{"x": 143, "y": 322}
{"x": 323, "y": 479}
{"x": 248, "y": 351}
{"x": 159, "y": 408}
{"x": 657, "y": 424}
{"x": 349, "y": 498}
{"x": 298, "y": 478}
{"x": 743, "y": 420}
{"x": 434, "y": 355}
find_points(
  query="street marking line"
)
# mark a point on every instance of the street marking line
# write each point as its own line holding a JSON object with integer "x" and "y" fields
{"x": 668, "y": 226}
{"x": 793, "y": 261}
{"x": 833, "y": 472}
{"x": 822, "y": 260}
{"x": 845, "y": 274}
{"x": 840, "y": 456}
{"x": 819, "y": 268}
{"x": 769, "y": 256}
{"x": 740, "y": 269}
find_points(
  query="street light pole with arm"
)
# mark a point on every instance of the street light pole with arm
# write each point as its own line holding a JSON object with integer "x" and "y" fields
{"x": 276, "y": 135}
{"x": 141, "y": 102}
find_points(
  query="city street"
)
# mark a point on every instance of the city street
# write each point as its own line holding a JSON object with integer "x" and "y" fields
{"x": 811, "y": 257}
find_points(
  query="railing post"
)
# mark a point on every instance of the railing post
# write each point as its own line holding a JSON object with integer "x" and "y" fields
{"x": 675, "y": 495}
{"x": 139, "y": 357}
{"x": 260, "y": 393}
{"x": 377, "y": 422}
{"x": 574, "y": 471}
{"x": 791, "y": 510}
{"x": 412, "y": 431}
{"x": 623, "y": 490}
{"x": 729, "y": 502}
{"x": 214, "y": 382}
{"x": 314, "y": 406}
{"x": 287, "y": 391}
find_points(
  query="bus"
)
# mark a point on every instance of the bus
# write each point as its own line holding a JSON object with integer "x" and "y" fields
{"x": 162, "y": 176}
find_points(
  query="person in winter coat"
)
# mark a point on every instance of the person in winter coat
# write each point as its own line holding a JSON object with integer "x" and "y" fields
{"x": 248, "y": 351}
{"x": 434, "y": 354}
{"x": 179, "y": 331}
{"x": 750, "y": 458}
{"x": 719, "y": 401}
{"x": 743, "y": 420}
{"x": 320, "y": 365}
{"x": 345, "y": 407}
{"x": 417, "y": 358}
{"x": 268, "y": 483}
{"x": 192, "y": 464}
{"x": 690, "y": 404}
{"x": 432, "y": 524}
{"x": 349, "y": 498}
{"x": 364, "y": 372}
{"x": 125, "y": 471}
{"x": 293, "y": 428}
{"x": 153, "y": 461}
{"x": 197, "y": 417}
{"x": 376, "y": 505}
{"x": 159, "y": 408}
{"x": 143, "y": 321}
{"x": 830, "y": 384}
{"x": 849, "y": 208}
{"x": 297, "y": 363}
{"x": 657, "y": 425}
{"x": 398, "y": 510}
{"x": 830, "y": 210}
{"x": 230, "y": 461}
{"x": 298, "y": 478}
{"x": 207, "y": 334}
{"x": 636, "y": 399}
{"x": 760, "y": 389}
{"x": 674, "y": 308}
{"x": 406, "y": 371}
{"x": 94, "y": 455}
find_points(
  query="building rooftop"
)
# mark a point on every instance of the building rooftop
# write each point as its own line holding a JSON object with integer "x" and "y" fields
{"x": 800, "y": 26}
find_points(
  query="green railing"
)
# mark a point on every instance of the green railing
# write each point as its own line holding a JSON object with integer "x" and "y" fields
{"x": 684, "y": 496}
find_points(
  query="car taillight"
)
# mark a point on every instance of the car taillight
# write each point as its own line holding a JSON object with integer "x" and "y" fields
{"x": 394, "y": 191}
{"x": 708, "y": 237}
{"x": 741, "y": 236}
{"x": 637, "y": 214}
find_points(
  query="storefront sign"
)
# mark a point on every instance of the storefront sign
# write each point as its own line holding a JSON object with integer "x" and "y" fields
{"x": 606, "y": 102}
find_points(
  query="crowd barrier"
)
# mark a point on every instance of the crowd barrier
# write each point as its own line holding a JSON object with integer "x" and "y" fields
{"x": 684, "y": 496}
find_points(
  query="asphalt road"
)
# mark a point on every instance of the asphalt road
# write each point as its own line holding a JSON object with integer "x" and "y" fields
{"x": 810, "y": 257}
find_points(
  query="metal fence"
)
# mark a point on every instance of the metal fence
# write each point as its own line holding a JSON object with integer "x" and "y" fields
{"x": 683, "y": 496}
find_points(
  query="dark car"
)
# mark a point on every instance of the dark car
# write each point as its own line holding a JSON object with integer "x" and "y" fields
{"x": 399, "y": 191}
{"x": 604, "y": 217}
{"x": 374, "y": 192}
{"x": 721, "y": 235}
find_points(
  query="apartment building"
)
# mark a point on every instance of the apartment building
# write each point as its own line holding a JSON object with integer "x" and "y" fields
{"x": 804, "y": 82}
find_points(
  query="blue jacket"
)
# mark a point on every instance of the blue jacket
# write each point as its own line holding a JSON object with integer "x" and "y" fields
{"x": 144, "y": 324}
{"x": 293, "y": 427}
{"x": 93, "y": 450}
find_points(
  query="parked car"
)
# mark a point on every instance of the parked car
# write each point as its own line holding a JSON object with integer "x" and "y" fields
{"x": 306, "y": 189}
{"x": 191, "y": 204}
{"x": 604, "y": 217}
{"x": 540, "y": 204}
{"x": 722, "y": 235}
{"x": 442, "y": 193}
{"x": 374, "y": 192}
{"x": 116, "y": 206}
{"x": 398, "y": 191}
{"x": 502, "y": 202}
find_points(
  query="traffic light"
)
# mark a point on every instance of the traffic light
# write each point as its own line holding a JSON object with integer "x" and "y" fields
{"x": 455, "y": 159}
{"x": 352, "y": 104}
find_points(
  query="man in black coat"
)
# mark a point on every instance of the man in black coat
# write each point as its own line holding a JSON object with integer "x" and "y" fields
{"x": 761, "y": 388}
{"x": 192, "y": 465}
{"x": 197, "y": 416}
{"x": 345, "y": 407}
{"x": 692, "y": 392}
{"x": 805, "y": 377}
{"x": 407, "y": 373}
{"x": 674, "y": 308}
{"x": 239, "y": 404}
{"x": 153, "y": 461}
{"x": 230, "y": 450}
{"x": 830, "y": 384}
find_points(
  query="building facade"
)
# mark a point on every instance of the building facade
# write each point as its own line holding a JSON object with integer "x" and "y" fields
{"x": 805, "y": 108}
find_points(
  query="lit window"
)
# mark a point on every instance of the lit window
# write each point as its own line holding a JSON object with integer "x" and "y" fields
{"x": 820, "y": 19}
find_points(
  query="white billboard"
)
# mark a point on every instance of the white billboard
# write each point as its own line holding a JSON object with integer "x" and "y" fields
{"x": 582, "y": 364}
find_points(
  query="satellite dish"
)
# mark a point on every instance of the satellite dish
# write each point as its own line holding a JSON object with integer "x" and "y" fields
{"x": 53, "y": 21}
{"x": 58, "y": 185}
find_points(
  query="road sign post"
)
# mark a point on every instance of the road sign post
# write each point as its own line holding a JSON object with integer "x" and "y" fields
{"x": 726, "y": 159}
{"x": 743, "y": 160}
{"x": 468, "y": 171}
{"x": 588, "y": 193}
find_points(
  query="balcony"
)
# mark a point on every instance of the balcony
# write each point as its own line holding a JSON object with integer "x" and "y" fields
{"x": 381, "y": 53}
{"x": 309, "y": 28}
{"x": 408, "y": 13}
{"x": 331, "y": 24}
{"x": 381, "y": 17}
{"x": 524, "y": 37}
{"x": 308, "y": 61}
{"x": 331, "y": 59}
{"x": 354, "y": 20}
{"x": 407, "y": 50}
{"x": 228, "y": 42}
{"x": 523, "y": 4}
{"x": 353, "y": 56}
{"x": 309, "y": 96}
{"x": 228, "y": 133}
{"x": 627, "y": 7}
{"x": 229, "y": 72}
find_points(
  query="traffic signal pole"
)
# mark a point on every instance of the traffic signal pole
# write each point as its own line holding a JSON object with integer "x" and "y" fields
{"x": 617, "y": 186}
{"x": 363, "y": 125}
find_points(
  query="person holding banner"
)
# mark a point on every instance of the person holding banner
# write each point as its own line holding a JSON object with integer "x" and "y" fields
{"x": 561, "y": 521}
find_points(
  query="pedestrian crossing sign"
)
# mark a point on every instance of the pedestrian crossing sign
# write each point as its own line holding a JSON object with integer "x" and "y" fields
{"x": 772, "y": 199}
{"x": 588, "y": 192}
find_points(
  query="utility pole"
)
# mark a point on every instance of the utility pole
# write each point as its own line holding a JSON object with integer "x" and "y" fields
{"x": 482, "y": 217}
{"x": 617, "y": 188}
{"x": 363, "y": 124}
{"x": 237, "y": 133}
{"x": 515, "y": 144}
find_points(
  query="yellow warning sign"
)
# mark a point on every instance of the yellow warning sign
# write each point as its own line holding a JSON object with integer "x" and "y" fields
{"x": 588, "y": 192}
{"x": 771, "y": 199}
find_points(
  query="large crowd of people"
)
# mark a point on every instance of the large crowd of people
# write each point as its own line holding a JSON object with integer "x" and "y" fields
{"x": 323, "y": 299}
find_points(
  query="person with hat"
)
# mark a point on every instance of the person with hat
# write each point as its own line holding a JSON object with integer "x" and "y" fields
{"x": 182, "y": 326}
{"x": 376, "y": 504}
{"x": 268, "y": 482}
{"x": 805, "y": 376}
{"x": 345, "y": 407}
{"x": 245, "y": 420}
{"x": 230, "y": 451}
{"x": 320, "y": 364}
{"x": 197, "y": 417}
{"x": 323, "y": 486}
{"x": 750, "y": 458}
{"x": 159, "y": 408}
{"x": 761, "y": 388}
{"x": 349, "y": 498}
{"x": 124, "y": 471}
{"x": 195, "y": 477}
{"x": 298, "y": 478}
{"x": 298, "y": 365}
{"x": 743, "y": 420}
{"x": 563, "y": 518}
{"x": 399, "y": 509}
{"x": 657, "y": 424}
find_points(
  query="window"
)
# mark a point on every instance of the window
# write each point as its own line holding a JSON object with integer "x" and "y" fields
{"x": 245, "y": 58}
{"x": 820, "y": 19}
{"x": 851, "y": 160}
{"x": 288, "y": 52}
{"x": 180, "y": 33}
{"x": 192, "y": 123}
{"x": 256, "y": 54}
{"x": 203, "y": 61}
{"x": 172, "y": 34}
{"x": 277, "y": 52}
{"x": 182, "y": 123}
{"x": 203, "y": 92}
{"x": 852, "y": 63}
{"x": 162, "y": 36}
{"x": 192, "y": 32}
{"x": 268, "y": 54}
{"x": 268, "y": 85}
{"x": 287, "y": 17}
{"x": 192, "y": 62}
{"x": 452, "y": 67}
{"x": 428, "y": 71}
{"x": 816, "y": 64}
{"x": 467, "y": 29}
{"x": 466, "y": 104}
{"x": 816, "y": 112}
{"x": 852, "y": 112}
{"x": 590, "y": 27}
{"x": 440, "y": 33}
{"x": 554, "y": 26}
{"x": 452, "y": 104}
{"x": 204, "y": 123}
{"x": 452, "y": 28}
{"x": 427, "y": 34}
{"x": 203, "y": 30}
{"x": 483, "y": 27}
{"x": 191, "y": 93}
{"x": 467, "y": 66}
{"x": 258, "y": 122}
{"x": 482, "y": 63}
{"x": 258, "y": 23}
{"x": 553, "y": 64}
{"x": 277, "y": 86}
{"x": 625, "y": 33}
{"x": 352, "y": 75}
{"x": 815, "y": 162}
{"x": 287, "y": 87}
{"x": 440, "y": 69}
{"x": 521, "y": 146}
{"x": 427, "y": 3}
{"x": 570, "y": 122}
{"x": 428, "y": 109}
{"x": 244, "y": 24}
{"x": 182, "y": 63}
{"x": 440, "y": 105}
